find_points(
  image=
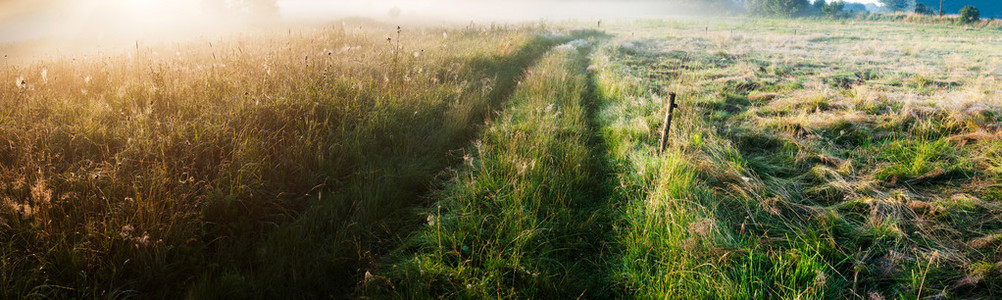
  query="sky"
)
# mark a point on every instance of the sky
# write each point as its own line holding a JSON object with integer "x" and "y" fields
{"x": 498, "y": 10}
{"x": 128, "y": 19}
{"x": 27, "y": 19}
{"x": 503, "y": 8}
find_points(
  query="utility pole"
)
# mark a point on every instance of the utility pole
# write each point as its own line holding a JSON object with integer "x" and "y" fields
{"x": 940, "y": 8}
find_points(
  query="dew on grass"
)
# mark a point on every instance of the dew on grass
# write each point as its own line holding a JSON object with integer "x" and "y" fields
{"x": 126, "y": 230}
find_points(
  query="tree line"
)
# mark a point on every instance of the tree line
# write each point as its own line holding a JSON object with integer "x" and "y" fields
{"x": 825, "y": 8}
{"x": 828, "y": 8}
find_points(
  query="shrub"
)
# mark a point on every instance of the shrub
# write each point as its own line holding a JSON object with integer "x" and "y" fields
{"x": 969, "y": 14}
{"x": 819, "y": 6}
{"x": 834, "y": 9}
{"x": 782, "y": 8}
{"x": 898, "y": 5}
{"x": 923, "y": 9}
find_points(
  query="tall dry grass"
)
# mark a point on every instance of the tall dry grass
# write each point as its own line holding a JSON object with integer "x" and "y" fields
{"x": 179, "y": 168}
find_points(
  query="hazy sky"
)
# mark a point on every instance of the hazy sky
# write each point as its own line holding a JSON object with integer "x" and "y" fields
{"x": 481, "y": 10}
{"x": 26, "y": 19}
{"x": 475, "y": 8}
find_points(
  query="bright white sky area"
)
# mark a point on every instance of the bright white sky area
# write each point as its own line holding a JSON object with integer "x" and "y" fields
{"x": 28, "y": 19}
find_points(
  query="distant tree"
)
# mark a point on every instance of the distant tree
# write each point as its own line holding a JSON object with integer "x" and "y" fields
{"x": 969, "y": 14}
{"x": 898, "y": 5}
{"x": 781, "y": 8}
{"x": 394, "y": 12}
{"x": 834, "y": 9}
{"x": 922, "y": 9}
{"x": 710, "y": 4}
{"x": 819, "y": 6}
{"x": 756, "y": 7}
{"x": 855, "y": 7}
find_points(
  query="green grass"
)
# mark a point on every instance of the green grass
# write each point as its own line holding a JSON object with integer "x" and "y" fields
{"x": 830, "y": 186}
{"x": 673, "y": 229}
{"x": 187, "y": 174}
{"x": 524, "y": 217}
{"x": 361, "y": 220}
{"x": 809, "y": 159}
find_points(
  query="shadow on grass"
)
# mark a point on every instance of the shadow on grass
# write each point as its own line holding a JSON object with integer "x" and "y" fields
{"x": 507, "y": 227}
{"x": 333, "y": 244}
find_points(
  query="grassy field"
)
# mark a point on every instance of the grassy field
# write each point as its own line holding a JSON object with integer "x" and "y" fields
{"x": 812, "y": 160}
{"x": 217, "y": 168}
{"x": 808, "y": 159}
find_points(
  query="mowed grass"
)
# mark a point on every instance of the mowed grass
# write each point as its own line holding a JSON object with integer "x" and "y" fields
{"x": 236, "y": 167}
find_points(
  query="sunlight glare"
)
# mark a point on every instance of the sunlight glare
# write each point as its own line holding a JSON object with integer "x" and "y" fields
{"x": 129, "y": 18}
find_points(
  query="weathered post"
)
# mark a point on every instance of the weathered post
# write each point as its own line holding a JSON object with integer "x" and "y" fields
{"x": 667, "y": 124}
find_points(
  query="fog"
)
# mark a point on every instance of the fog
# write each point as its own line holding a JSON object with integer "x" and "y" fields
{"x": 483, "y": 11}
{"x": 97, "y": 19}
{"x": 22, "y": 20}
{"x": 144, "y": 19}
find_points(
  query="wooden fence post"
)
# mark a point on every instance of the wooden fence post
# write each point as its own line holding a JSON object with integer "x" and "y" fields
{"x": 667, "y": 124}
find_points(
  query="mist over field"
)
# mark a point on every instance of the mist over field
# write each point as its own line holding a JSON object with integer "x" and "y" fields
{"x": 491, "y": 10}
{"x": 145, "y": 19}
